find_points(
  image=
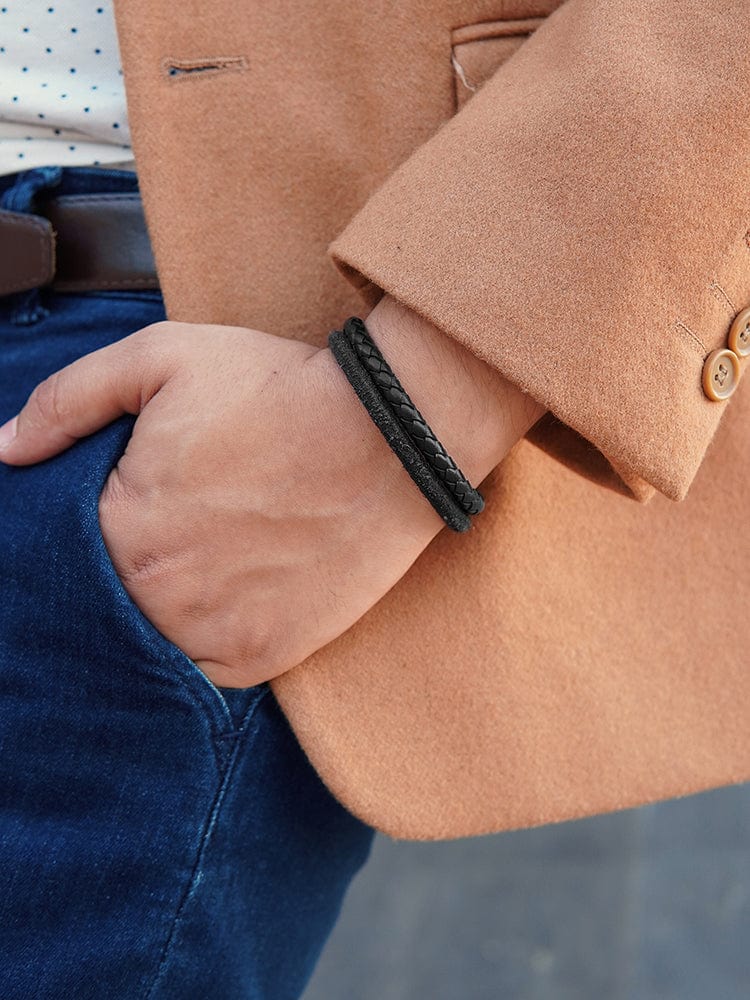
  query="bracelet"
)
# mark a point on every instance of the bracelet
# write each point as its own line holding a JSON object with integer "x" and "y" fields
{"x": 383, "y": 416}
{"x": 469, "y": 499}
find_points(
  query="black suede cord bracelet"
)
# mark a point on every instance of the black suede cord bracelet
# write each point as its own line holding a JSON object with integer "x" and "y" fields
{"x": 469, "y": 500}
{"x": 400, "y": 442}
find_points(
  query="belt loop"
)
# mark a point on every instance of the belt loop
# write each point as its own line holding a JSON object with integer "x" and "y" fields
{"x": 26, "y": 308}
{"x": 19, "y": 197}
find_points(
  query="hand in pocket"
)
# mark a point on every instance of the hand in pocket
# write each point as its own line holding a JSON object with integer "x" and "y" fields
{"x": 257, "y": 512}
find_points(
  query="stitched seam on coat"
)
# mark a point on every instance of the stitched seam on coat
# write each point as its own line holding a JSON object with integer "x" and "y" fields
{"x": 183, "y": 69}
{"x": 720, "y": 295}
{"x": 695, "y": 341}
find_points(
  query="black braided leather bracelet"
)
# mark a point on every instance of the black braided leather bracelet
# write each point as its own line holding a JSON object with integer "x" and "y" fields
{"x": 469, "y": 499}
{"x": 385, "y": 419}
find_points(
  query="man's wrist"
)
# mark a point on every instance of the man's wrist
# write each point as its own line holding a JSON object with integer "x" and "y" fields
{"x": 475, "y": 412}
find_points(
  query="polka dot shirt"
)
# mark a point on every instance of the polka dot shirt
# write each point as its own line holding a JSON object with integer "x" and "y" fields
{"x": 62, "y": 93}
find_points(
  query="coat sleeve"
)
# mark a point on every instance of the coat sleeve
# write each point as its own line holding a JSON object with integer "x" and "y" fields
{"x": 581, "y": 224}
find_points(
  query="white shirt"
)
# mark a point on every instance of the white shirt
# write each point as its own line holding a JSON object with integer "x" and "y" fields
{"x": 62, "y": 94}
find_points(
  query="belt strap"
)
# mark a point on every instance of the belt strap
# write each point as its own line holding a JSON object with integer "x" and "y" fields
{"x": 77, "y": 242}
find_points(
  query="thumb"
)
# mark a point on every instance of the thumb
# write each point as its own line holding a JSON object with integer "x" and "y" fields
{"x": 84, "y": 396}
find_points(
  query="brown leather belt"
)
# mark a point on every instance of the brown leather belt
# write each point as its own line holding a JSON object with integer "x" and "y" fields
{"x": 76, "y": 243}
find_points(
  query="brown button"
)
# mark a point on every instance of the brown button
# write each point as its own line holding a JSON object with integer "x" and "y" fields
{"x": 739, "y": 334}
{"x": 721, "y": 372}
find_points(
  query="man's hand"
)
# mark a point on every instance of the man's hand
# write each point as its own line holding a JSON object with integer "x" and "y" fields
{"x": 257, "y": 512}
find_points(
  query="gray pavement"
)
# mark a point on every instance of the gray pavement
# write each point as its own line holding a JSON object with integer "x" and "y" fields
{"x": 646, "y": 904}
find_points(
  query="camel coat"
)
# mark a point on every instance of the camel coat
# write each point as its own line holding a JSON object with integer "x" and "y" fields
{"x": 564, "y": 188}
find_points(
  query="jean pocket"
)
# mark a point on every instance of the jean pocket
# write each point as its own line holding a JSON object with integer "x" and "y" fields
{"x": 124, "y": 614}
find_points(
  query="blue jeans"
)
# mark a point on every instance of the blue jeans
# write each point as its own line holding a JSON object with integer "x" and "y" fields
{"x": 159, "y": 837}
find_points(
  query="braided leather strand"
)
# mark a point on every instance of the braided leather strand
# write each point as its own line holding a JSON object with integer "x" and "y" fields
{"x": 469, "y": 499}
{"x": 385, "y": 419}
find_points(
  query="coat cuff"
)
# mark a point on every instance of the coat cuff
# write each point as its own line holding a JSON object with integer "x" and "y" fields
{"x": 581, "y": 224}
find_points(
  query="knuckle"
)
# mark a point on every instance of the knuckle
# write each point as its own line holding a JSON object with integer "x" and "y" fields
{"x": 138, "y": 346}
{"x": 141, "y": 561}
{"x": 138, "y": 559}
{"x": 159, "y": 329}
{"x": 143, "y": 567}
{"x": 47, "y": 403}
{"x": 258, "y": 645}
{"x": 156, "y": 336}
{"x": 155, "y": 347}
{"x": 195, "y": 610}
{"x": 117, "y": 493}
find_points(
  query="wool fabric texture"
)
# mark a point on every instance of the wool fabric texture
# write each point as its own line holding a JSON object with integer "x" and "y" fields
{"x": 562, "y": 188}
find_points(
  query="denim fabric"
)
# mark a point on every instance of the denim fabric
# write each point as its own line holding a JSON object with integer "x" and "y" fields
{"x": 159, "y": 837}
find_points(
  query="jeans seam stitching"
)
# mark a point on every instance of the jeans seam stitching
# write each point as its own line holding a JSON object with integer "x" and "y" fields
{"x": 185, "y": 678}
{"x": 213, "y": 815}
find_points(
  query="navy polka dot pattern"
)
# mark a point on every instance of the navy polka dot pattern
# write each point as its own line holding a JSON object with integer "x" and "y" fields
{"x": 62, "y": 93}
